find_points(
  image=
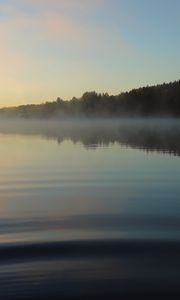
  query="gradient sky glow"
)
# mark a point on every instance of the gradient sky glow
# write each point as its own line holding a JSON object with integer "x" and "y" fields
{"x": 51, "y": 48}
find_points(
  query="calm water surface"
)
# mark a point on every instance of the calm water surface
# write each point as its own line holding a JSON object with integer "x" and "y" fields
{"x": 82, "y": 215}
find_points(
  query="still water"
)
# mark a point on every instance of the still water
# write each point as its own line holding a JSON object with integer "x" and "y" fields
{"x": 89, "y": 211}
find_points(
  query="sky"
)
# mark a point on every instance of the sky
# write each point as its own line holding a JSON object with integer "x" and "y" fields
{"x": 63, "y": 48}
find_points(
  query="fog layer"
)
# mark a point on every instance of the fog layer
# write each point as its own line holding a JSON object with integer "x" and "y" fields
{"x": 149, "y": 134}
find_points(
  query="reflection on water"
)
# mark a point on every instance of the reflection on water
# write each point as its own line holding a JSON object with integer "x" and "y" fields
{"x": 151, "y": 135}
{"x": 88, "y": 216}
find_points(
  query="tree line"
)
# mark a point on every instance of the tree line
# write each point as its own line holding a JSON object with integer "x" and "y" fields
{"x": 159, "y": 100}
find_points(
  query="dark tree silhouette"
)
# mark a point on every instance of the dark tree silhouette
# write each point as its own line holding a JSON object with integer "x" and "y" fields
{"x": 159, "y": 100}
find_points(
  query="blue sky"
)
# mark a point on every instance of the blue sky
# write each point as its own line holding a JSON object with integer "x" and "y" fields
{"x": 52, "y": 48}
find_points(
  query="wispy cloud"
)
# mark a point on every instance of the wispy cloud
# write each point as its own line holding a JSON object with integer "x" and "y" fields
{"x": 56, "y": 22}
{"x": 39, "y": 35}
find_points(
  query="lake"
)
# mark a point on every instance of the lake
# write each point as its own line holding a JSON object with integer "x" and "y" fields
{"x": 89, "y": 209}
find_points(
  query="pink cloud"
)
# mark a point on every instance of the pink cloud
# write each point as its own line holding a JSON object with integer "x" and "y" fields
{"x": 46, "y": 25}
{"x": 55, "y": 22}
{"x": 53, "y": 5}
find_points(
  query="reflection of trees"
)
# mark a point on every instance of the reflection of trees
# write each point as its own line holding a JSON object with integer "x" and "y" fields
{"x": 150, "y": 135}
{"x": 165, "y": 140}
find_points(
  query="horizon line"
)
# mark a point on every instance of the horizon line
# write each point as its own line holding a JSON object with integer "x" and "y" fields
{"x": 122, "y": 92}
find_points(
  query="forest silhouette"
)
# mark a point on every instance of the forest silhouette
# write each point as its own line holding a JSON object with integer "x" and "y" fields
{"x": 159, "y": 100}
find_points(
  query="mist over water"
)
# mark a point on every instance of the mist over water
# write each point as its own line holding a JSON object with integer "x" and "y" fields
{"x": 89, "y": 207}
{"x": 151, "y": 134}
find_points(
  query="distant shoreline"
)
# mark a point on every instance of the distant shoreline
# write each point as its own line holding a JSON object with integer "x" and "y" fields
{"x": 154, "y": 101}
